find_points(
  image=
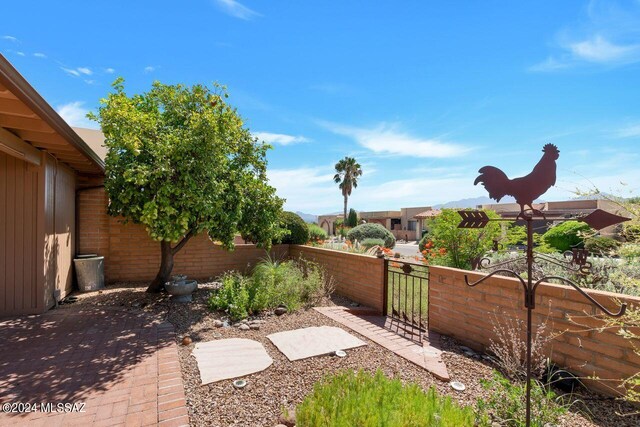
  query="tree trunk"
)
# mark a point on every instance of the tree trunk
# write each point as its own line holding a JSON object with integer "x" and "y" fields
{"x": 166, "y": 266}
{"x": 344, "y": 220}
{"x": 166, "y": 263}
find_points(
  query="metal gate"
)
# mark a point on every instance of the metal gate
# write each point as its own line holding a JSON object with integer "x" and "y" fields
{"x": 406, "y": 294}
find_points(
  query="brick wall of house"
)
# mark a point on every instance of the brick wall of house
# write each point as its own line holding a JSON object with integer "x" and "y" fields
{"x": 130, "y": 255}
{"x": 466, "y": 313}
{"x": 357, "y": 277}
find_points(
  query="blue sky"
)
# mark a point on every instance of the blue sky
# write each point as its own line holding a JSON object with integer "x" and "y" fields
{"x": 422, "y": 93}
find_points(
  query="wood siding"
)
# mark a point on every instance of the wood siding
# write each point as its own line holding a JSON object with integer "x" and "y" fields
{"x": 18, "y": 236}
{"x": 59, "y": 229}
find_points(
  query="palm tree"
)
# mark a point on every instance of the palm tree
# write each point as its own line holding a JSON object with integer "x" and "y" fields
{"x": 347, "y": 173}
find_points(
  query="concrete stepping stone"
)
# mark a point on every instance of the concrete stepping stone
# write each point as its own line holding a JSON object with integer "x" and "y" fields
{"x": 230, "y": 358}
{"x": 315, "y": 341}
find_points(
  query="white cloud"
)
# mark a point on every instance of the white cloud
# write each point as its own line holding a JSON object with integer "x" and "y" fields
{"x": 389, "y": 139}
{"x": 549, "y": 64}
{"x": 600, "y": 50}
{"x": 75, "y": 114}
{"x": 39, "y": 55}
{"x": 236, "y": 9}
{"x": 84, "y": 70}
{"x": 71, "y": 71}
{"x": 109, "y": 70}
{"x": 632, "y": 131}
{"x": 19, "y": 53}
{"x": 10, "y": 38}
{"x": 279, "y": 138}
{"x": 306, "y": 189}
{"x": 149, "y": 69}
{"x": 606, "y": 35}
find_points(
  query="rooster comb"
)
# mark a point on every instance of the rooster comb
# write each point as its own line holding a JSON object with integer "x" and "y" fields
{"x": 550, "y": 147}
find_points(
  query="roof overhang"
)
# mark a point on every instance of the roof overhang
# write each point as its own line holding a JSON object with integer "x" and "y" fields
{"x": 25, "y": 114}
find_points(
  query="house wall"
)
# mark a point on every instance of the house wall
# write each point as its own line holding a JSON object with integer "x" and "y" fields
{"x": 19, "y": 216}
{"x": 131, "y": 255}
{"x": 59, "y": 230}
{"x": 357, "y": 277}
{"x": 466, "y": 313}
{"x": 37, "y": 208}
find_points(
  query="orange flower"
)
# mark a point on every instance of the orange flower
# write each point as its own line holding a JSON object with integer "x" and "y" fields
{"x": 443, "y": 251}
{"x": 429, "y": 244}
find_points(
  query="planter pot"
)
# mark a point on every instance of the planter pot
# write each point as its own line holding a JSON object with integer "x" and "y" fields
{"x": 181, "y": 291}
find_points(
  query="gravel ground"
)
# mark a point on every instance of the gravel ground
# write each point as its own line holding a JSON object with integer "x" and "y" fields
{"x": 284, "y": 384}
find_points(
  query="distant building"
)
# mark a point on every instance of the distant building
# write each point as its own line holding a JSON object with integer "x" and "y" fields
{"x": 405, "y": 224}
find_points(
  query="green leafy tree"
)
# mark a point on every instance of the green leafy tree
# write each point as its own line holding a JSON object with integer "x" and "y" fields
{"x": 348, "y": 171}
{"x": 352, "y": 219}
{"x": 297, "y": 232}
{"x": 567, "y": 235}
{"x": 460, "y": 245}
{"x": 180, "y": 162}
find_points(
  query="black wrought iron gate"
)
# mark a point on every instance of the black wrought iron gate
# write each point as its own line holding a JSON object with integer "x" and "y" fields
{"x": 406, "y": 293}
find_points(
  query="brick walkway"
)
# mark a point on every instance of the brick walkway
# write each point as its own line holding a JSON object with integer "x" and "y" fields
{"x": 123, "y": 367}
{"x": 382, "y": 331}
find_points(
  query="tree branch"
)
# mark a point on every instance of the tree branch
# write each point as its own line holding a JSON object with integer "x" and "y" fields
{"x": 183, "y": 242}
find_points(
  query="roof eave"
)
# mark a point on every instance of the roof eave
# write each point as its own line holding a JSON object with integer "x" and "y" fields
{"x": 18, "y": 85}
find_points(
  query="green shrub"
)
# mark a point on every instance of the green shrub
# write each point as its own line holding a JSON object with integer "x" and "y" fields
{"x": 365, "y": 400}
{"x": 630, "y": 251}
{"x": 316, "y": 233}
{"x": 352, "y": 218}
{"x": 369, "y": 243}
{"x": 298, "y": 231}
{"x": 343, "y": 231}
{"x": 294, "y": 283}
{"x": 232, "y": 297}
{"x": 566, "y": 235}
{"x": 372, "y": 231}
{"x": 506, "y": 404}
{"x": 601, "y": 245}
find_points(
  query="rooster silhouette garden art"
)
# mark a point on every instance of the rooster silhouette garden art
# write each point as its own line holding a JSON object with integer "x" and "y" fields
{"x": 525, "y": 190}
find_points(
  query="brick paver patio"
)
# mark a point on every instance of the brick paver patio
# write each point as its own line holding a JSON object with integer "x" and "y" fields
{"x": 120, "y": 368}
{"x": 382, "y": 331}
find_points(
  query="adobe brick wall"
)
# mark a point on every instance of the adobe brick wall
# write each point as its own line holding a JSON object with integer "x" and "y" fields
{"x": 358, "y": 277}
{"x": 466, "y": 314}
{"x": 130, "y": 255}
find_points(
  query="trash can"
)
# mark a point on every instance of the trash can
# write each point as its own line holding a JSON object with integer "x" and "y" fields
{"x": 89, "y": 272}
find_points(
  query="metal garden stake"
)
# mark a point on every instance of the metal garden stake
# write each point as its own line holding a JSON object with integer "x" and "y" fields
{"x": 525, "y": 190}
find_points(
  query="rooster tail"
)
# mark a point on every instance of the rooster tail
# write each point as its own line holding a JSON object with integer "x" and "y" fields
{"x": 495, "y": 181}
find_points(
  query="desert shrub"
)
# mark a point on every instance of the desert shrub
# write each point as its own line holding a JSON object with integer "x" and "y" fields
{"x": 601, "y": 245}
{"x": 316, "y": 233}
{"x": 294, "y": 283}
{"x": 506, "y": 404}
{"x": 566, "y": 235}
{"x": 369, "y": 243}
{"x": 232, "y": 297}
{"x": 298, "y": 231}
{"x": 607, "y": 274}
{"x": 352, "y": 218}
{"x": 510, "y": 348}
{"x": 372, "y": 231}
{"x": 630, "y": 251}
{"x": 366, "y": 400}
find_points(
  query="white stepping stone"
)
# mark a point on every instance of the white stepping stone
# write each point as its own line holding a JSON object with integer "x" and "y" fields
{"x": 308, "y": 342}
{"x": 230, "y": 358}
